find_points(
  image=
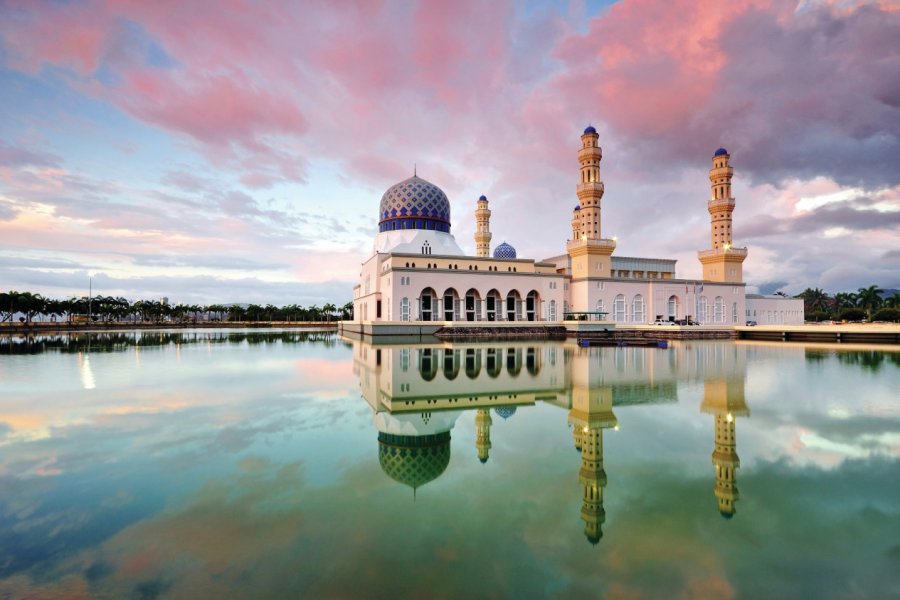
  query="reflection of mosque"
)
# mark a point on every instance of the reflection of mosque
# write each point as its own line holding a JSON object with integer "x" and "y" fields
{"x": 417, "y": 393}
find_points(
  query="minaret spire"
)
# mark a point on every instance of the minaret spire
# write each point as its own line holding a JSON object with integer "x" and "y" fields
{"x": 482, "y": 228}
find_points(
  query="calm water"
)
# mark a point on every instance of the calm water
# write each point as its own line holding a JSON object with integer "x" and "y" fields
{"x": 222, "y": 464}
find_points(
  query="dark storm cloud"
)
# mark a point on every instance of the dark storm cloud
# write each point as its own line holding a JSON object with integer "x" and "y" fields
{"x": 842, "y": 214}
{"x": 815, "y": 95}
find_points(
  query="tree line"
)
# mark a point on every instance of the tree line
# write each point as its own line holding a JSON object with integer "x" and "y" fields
{"x": 866, "y": 303}
{"x": 34, "y": 307}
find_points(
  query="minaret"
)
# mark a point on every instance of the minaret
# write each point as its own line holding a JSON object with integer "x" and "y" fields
{"x": 723, "y": 396}
{"x": 589, "y": 253}
{"x": 590, "y": 413}
{"x": 592, "y": 478}
{"x": 483, "y": 433}
{"x": 576, "y": 222}
{"x": 723, "y": 262}
{"x": 482, "y": 228}
{"x": 590, "y": 186}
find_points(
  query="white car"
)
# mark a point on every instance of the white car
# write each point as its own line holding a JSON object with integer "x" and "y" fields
{"x": 661, "y": 322}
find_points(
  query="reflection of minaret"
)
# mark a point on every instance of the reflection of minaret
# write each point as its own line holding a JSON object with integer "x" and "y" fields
{"x": 725, "y": 400}
{"x": 483, "y": 433}
{"x": 591, "y": 413}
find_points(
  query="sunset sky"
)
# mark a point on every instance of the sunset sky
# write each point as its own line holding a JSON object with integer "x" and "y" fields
{"x": 237, "y": 151}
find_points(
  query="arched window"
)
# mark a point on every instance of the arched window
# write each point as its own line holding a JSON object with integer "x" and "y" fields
{"x": 552, "y": 315}
{"x": 404, "y": 309}
{"x": 427, "y": 304}
{"x": 672, "y": 306}
{"x": 601, "y": 309}
{"x": 451, "y": 364}
{"x": 427, "y": 364}
{"x": 531, "y": 306}
{"x": 473, "y": 363}
{"x": 637, "y": 309}
{"x": 718, "y": 310}
{"x": 619, "y": 309}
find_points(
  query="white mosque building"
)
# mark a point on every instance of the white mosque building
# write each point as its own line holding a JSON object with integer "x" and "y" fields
{"x": 418, "y": 273}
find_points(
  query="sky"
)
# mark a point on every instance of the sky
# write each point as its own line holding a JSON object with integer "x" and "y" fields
{"x": 237, "y": 152}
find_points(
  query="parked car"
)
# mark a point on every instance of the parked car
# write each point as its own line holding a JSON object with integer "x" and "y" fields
{"x": 751, "y": 323}
{"x": 662, "y": 322}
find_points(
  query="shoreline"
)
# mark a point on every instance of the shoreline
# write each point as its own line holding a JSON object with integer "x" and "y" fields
{"x": 48, "y": 327}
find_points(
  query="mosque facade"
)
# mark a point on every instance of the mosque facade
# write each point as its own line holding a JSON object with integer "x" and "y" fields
{"x": 418, "y": 273}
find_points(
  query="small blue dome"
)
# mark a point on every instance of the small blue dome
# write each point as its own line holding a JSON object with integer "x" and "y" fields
{"x": 482, "y": 197}
{"x": 505, "y": 411}
{"x": 590, "y": 129}
{"x": 721, "y": 152}
{"x": 577, "y": 207}
{"x": 414, "y": 204}
{"x": 504, "y": 250}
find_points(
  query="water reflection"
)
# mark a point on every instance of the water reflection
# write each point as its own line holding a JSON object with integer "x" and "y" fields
{"x": 419, "y": 393}
{"x": 85, "y": 342}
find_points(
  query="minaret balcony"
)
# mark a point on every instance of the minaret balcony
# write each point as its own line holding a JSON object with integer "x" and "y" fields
{"x": 720, "y": 204}
{"x": 589, "y": 189}
{"x": 734, "y": 253}
{"x": 606, "y": 245}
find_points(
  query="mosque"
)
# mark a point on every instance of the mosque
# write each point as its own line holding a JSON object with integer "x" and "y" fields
{"x": 418, "y": 273}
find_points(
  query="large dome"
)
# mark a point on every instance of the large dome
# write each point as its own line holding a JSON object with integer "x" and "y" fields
{"x": 414, "y": 460}
{"x": 414, "y": 204}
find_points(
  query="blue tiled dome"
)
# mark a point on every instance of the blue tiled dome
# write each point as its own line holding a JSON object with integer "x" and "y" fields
{"x": 505, "y": 411}
{"x": 414, "y": 204}
{"x": 482, "y": 197}
{"x": 721, "y": 152}
{"x": 577, "y": 207}
{"x": 504, "y": 250}
{"x": 590, "y": 129}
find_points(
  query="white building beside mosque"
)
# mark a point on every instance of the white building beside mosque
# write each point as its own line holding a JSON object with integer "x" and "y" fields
{"x": 418, "y": 273}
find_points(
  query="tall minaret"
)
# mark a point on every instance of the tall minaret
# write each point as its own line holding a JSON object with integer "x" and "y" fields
{"x": 482, "y": 228}
{"x": 590, "y": 413}
{"x": 589, "y": 254}
{"x": 723, "y": 396}
{"x": 723, "y": 262}
{"x": 483, "y": 433}
{"x": 721, "y": 203}
{"x": 590, "y": 186}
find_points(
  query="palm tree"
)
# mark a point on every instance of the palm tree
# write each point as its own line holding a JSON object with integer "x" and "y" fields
{"x": 7, "y": 304}
{"x": 869, "y": 299}
{"x": 329, "y": 309}
{"x": 814, "y": 300}
{"x": 30, "y": 304}
{"x": 892, "y": 301}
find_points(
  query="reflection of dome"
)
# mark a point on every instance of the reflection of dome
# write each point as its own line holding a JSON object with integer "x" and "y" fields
{"x": 414, "y": 204}
{"x": 594, "y": 537}
{"x": 414, "y": 460}
{"x": 590, "y": 129}
{"x": 505, "y": 411}
{"x": 721, "y": 152}
{"x": 726, "y": 515}
{"x": 504, "y": 250}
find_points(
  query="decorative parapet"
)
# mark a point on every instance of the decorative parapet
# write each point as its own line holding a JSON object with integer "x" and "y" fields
{"x": 604, "y": 244}
{"x": 730, "y": 252}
